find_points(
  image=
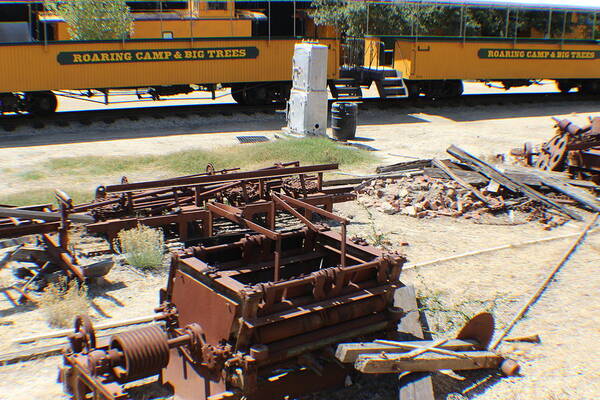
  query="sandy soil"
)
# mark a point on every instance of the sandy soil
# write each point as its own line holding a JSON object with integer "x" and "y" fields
{"x": 564, "y": 366}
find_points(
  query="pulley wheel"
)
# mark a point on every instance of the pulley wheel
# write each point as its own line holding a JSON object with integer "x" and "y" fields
{"x": 85, "y": 336}
{"x": 145, "y": 352}
{"x": 553, "y": 153}
{"x": 480, "y": 328}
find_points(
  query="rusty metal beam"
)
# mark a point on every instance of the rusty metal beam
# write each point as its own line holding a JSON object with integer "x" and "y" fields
{"x": 29, "y": 229}
{"x": 295, "y": 213}
{"x": 267, "y": 173}
{"x": 43, "y": 215}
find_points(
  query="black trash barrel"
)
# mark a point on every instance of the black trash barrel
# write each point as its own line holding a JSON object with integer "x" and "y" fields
{"x": 343, "y": 120}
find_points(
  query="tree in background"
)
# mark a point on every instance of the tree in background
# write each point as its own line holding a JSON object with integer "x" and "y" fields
{"x": 94, "y": 19}
{"x": 352, "y": 17}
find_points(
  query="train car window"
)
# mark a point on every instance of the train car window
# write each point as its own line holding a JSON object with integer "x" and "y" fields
{"x": 167, "y": 35}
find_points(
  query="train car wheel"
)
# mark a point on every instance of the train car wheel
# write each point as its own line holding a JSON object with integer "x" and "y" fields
{"x": 590, "y": 86}
{"x": 238, "y": 94}
{"x": 565, "y": 85}
{"x": 257, "y": 96}
{"x": 453, "y": 88}
{"x": 414, "y": 90}
{"x": 41, "y": 103}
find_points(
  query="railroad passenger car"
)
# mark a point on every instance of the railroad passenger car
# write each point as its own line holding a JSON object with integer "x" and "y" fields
{"x": 210, "y": 43}
{"x": 435, "y": 66}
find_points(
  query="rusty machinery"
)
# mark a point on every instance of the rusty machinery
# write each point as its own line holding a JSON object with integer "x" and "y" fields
{"x": 182, "y": 201}
{"x": 248, "y": 316}
{"x": 574, "y": 149}
{"x": 54, "y": 251}
{"x": 177, "y": 204}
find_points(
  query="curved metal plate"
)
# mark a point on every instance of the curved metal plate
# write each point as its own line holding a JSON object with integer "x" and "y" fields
{"x": 479, "y": 328}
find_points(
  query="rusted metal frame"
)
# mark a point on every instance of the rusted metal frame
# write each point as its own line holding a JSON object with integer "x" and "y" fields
{"x": 343, "y": 247}
{"x": 368, "y": 252}
{"x": 289, "y": 348}
{"x": 278, "y": 201}
{"x": 318, "y": 293}
{"x": 29, "y": 229}
{"x": 234, "y": 214}
{"x": 41, "y": 215}
{"x": 312, "y": 208}
{"x": 34, "y": 207}
{"x": 101, "y": 389}
{"x": 270, "y": 291}
{"x": 326, "y": 214}
{"x": 219, "y": 172}
{"x": 349, "y": 256}
{"x": 89, "y": 206}
{"x": 112, "y": 227}
{"x": 225, "y": 268}
{"x": 301, "y": 310}
{"x": 62, "y": 257}
{"x": 268, "y": 173}
{"x": 303, "y": 185}
{"x": 284, "y": 327}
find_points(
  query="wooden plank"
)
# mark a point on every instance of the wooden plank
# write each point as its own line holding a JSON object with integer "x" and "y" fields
{"x": 349, "y": 352}
{"x": 472, "y": 177}
{"x": 402, "y": 166}
{"x": 99, "y": 327}
{"x": 463, "y": 183}
{"x": 411, "y": 386}
{"x": 505, "y": 181}
{"x": 580, "y": 195}
{"x": 38, "y": 352}
{"x": 390, "y": 363}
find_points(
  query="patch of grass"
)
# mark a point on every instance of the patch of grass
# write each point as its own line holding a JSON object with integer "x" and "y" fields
{"x": 377, "y": 237}
{"x": 98, "y": 165}
{"x": 32, "y": 175}
{"x": 306, "y": 150}
{"x": 43, "y": 196}
{"x": 446, "y": 313}
{"x": 142, "y": 247}
{"x": 62, "y": 302}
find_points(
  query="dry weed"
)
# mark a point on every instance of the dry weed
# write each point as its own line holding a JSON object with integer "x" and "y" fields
{"x": 142, "y": 247}
{"x": 63, "y": 301}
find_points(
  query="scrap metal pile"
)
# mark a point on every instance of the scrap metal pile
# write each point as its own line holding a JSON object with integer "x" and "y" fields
{"x": 254, "y": 311}
{"x": 248, "y": 315}
{"x": 573, "y": 149}
{"x": 470, "y": 187}
{"x": 178, "y": 205}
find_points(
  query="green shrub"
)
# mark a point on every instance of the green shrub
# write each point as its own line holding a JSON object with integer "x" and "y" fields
{"x": 142, "y": 247}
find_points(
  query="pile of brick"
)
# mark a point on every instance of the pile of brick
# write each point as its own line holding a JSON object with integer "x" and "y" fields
{"x": 422, "y": 197}
{"x": 426, "y": 197}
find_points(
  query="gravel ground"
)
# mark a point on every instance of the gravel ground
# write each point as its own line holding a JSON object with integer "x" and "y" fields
{"x": 564, "y": 366}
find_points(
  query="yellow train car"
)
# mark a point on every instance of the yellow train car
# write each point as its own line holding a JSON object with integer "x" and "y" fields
{"x": 436, "y": 66}
{"x": 147, "y": 63}
{"x": 208, "y": 45}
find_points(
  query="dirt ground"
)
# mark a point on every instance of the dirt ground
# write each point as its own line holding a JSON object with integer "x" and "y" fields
{"x": 566, "y": 365}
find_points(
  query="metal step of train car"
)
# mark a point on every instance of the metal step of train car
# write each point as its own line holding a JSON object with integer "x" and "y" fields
{"x": 346, "y": 89}
{"x": 391, "y": 87}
